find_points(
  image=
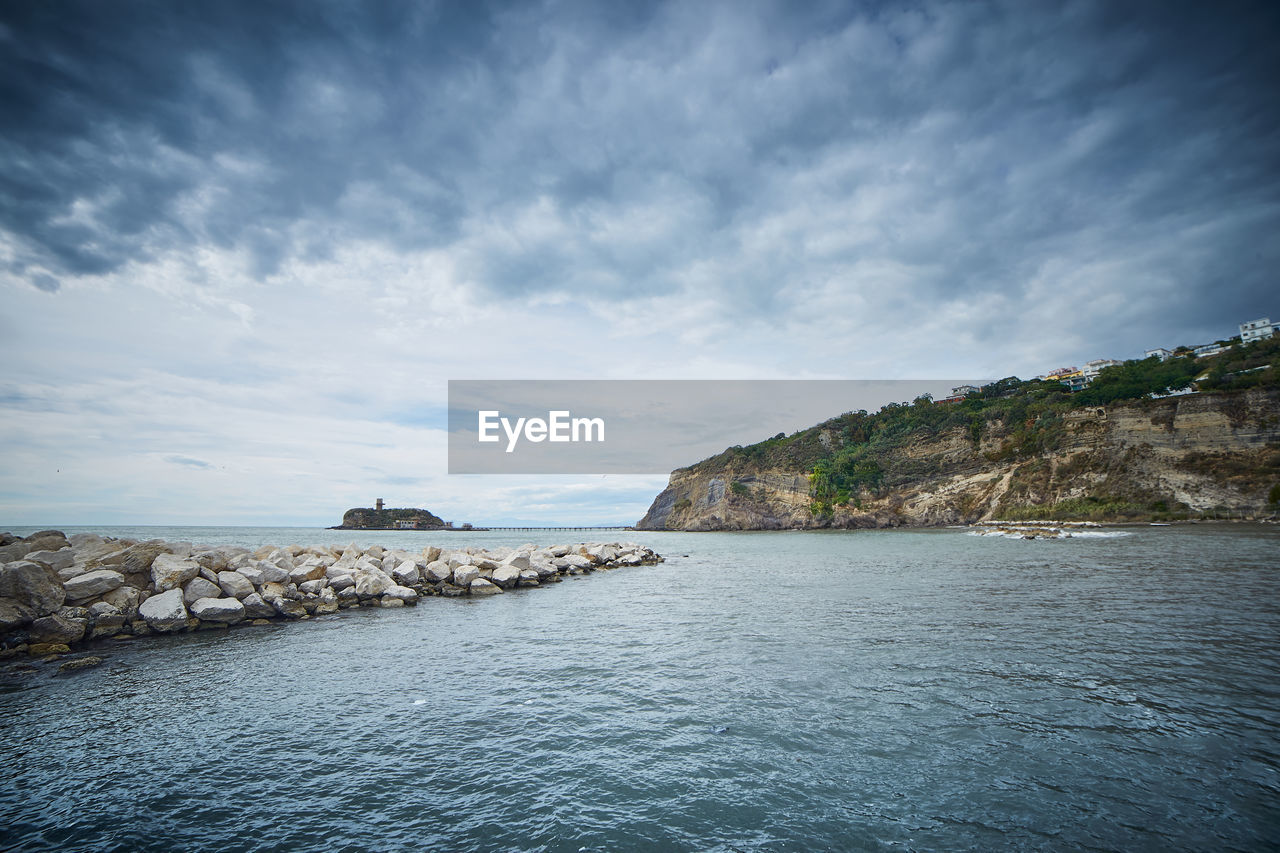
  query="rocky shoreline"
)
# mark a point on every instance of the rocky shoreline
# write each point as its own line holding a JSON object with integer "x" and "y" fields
{"x": 58, "y": 593}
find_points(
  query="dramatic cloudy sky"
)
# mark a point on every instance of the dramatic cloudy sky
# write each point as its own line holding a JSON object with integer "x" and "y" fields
{"x": 244, "y": 245}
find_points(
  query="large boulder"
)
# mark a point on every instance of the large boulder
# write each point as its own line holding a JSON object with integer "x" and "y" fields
{"x": 518, "y": 561}
{"x": 57, "y": 629}
{"x": 506, "y": 576}
{"x": 199, "y": 588}
{"x": 106, "y": 620}
{"x": 463, "y": 575}
{"x": 126, "y": 599}
{"x": 140, "y": 558}
{"x": 480, "y": 586}
{"x": 256, "y": 608}
{"x": 347, "y": 562}
{"x": 169, "y": 571}
{"x": 372, "y": 583}
{"x": 403, "y": 593}
{"x": 14, "y": 615}
{"x": 288, "y": 607}
{"x": 406, "y": 574}
{"x": 235, "y": 584}
{"x": 253, "y": 573}
{"x": 165, "y": 612}
{"x": 271, "y": 573}
{"x": 58, "y": 560}
{"x": 33, "y": 586}
{"x": 226, "y": 610}
{"x": 437, "y": 571}
{"x": 308, "y": 571}
{"x": 93, "y": 584}
{"x": 47, "y": 540}
{"x": 14, "y": 551}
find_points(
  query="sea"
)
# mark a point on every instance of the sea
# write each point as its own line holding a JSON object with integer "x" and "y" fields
{"x": 772, "y": 691}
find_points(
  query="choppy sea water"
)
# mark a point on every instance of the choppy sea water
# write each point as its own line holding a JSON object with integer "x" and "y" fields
{"x": 898, "y": 690}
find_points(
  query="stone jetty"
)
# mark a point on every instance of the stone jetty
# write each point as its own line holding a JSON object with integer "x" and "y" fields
{"x": 57, "y": 591}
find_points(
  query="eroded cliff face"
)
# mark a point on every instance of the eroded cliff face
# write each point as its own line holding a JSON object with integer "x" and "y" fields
{"x": 1198, "y": 453}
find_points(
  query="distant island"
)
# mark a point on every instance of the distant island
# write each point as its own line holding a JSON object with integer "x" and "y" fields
{"x": 379, "y": 517}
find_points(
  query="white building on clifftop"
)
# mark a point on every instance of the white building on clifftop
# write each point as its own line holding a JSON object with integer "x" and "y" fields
{"x": 1256, "y": 330}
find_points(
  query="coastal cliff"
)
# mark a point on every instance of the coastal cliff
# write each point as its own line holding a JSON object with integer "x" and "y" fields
{"x": 1149, "y": 459}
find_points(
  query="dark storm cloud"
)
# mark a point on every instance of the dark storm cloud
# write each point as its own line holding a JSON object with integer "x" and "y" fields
{"x": 763, "y": 152}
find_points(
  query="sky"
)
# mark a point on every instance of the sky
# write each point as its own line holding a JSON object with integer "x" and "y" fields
{"x": 245, "y": 245}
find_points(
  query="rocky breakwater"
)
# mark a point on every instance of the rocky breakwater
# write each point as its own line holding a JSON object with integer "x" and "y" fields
{"x": 57, "y": 592}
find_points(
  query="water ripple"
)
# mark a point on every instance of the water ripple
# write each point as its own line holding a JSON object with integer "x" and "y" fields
{"x": 851, "y": 691}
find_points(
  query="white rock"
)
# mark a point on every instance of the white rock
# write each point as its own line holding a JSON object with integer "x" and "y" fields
{"x": 127, "y": 599}
{"x": 480, "y": 586}
{"x": 367, "y": 563}
{"x": 406, "y": 573}
{"x": 256, "y": 608}
{"x": 235, "y": 584}
{"x": 464, "y": 575}
{"x": 518, "y": 561}
{"x": 313, "y": 587}
{"x": 340, "y": 582}
{"x": 347, "y": 562}
{"x": 271, "y": 573}
{"x": 253, "y": 573}
{"x": 437, "y": 571}
{"x": 63, "y": 558}
{"x": 199, "y": 588}
{"x": 281, "y": 558}
{"x": 228, "y": 610}
{"x": 169, "y": 571}
{"x": 506, "y": 576}
{"x": 165, "y": 612}
{"x": 307, "y": 572}
{"x": 288, "y": 607}
{"x": 528, "y": 577}
{"x": 401, "y": 592}
{"x": 92, "y": 584}
{"x": 372, "y": 583}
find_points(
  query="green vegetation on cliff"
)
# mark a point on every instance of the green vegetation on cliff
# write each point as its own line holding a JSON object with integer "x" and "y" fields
{"x": 861, "y": 455}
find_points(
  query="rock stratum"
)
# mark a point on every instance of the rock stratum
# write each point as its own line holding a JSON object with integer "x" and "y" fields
{"x": 1207, "y": 454}
{"x": 58, "y": 592}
